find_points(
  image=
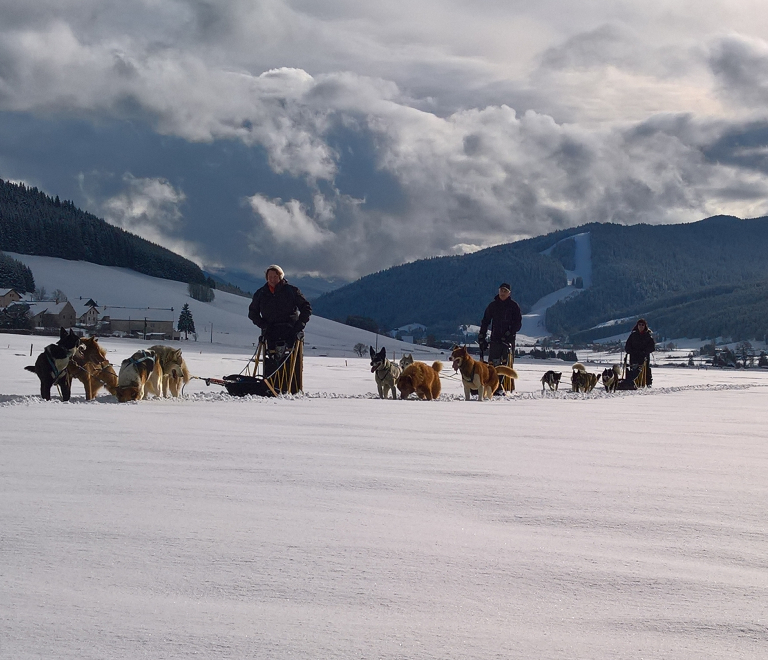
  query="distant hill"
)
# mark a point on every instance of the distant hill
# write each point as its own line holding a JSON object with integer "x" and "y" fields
{"x": 703, "y": 279}
{"x": 31, "y": 222}
{"x": 444, "y": 292}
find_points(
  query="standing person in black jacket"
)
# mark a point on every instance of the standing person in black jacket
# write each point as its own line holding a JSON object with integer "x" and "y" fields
{"x": 504, "y": 317}
{"x": 281, "y": 311}
{"x": 640, "y": 344}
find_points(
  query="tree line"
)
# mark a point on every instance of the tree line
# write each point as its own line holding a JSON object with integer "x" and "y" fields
{"x": 32, "y": 222}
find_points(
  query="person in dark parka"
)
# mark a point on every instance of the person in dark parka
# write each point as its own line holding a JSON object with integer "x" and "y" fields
{"x": 640, "y": 344}
{"x": 279, "y": 308}
{"x": 505, "y": 319}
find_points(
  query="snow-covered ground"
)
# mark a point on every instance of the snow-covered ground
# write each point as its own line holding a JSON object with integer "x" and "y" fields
{"x": 221, "y": 325}
{"x": 337, "y": 525}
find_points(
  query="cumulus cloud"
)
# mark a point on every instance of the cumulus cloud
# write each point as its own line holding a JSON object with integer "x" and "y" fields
{"x": 740, "y": 66}
{"x": 289, "y": 223}
{"x": 482, "y": 123}
{"x": 149, "y": 208}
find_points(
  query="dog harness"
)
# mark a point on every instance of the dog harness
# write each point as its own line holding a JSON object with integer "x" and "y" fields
{"x": 58, "y": 372}
{"x": 145, "y": 356}
{"x": 387, "y": 366}
{"x": 471, "y": 378}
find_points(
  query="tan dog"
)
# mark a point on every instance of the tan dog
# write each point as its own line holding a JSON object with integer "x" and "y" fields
{"x": 582, "y": 380}
{"x": 421, "y": 379}
{"x": 175, "y": 372}
{"x": 477, "y": 375}
{"x": 139, "y": 375}
{"x": 406, "y": 360}
{"x": 91, "y": 367}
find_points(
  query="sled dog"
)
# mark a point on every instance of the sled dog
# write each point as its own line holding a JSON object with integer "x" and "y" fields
{"x": 385, "y": 372}
{"x": 91, "y": 367}
{"x": 175, "y": 372}
{"x": 611, "y": 377}
{"x": 51, "y": 365}
{"x": 406, "y": 360}
{"x": 140, "y": 375}
{"x": 582, "y": 380}
{"x": 421, "y": 379}
{"x": 552, "y": 379}
{"x": 477, "y": 375}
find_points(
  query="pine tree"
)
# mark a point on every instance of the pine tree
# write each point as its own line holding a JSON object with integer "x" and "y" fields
{"x": 186, "y": 322}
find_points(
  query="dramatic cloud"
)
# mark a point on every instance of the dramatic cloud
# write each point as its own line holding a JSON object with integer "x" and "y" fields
{"x": 340, "y": 138}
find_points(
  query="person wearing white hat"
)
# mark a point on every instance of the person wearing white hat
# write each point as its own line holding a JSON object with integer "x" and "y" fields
{"x": 279, "y": 309}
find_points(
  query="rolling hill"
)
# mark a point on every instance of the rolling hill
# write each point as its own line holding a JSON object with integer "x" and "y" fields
{"x": 701, "y": 279}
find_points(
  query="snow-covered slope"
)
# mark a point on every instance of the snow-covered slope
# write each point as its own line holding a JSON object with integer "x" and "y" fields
{"x": 557, "y": 526}
{"x": 534, "y": 326}
{"x": 223, "y": 322}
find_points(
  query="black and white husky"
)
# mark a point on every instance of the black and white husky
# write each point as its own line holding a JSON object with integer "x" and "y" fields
{"x": 385, "y": 372}
{"x": 51, "y": 365}
{"x": 551, "y": 379}
{"x": 611, "y": 378}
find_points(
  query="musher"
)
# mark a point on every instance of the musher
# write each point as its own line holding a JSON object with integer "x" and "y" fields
{"x": 505, "y": 319}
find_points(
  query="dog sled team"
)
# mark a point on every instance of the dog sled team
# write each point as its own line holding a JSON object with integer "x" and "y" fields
{"x": 158, "y": 370}
{"x": 281, "y": 312}
{"x": 496, "y": 376}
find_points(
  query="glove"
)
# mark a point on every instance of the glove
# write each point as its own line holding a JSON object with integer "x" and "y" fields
{"x": 482, "y": 342}
{"x": 507, "y": 337}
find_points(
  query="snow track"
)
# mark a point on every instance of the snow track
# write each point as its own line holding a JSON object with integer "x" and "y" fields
{"x": 218, "y": 397}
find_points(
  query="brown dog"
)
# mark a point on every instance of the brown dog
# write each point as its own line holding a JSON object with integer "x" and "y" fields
{"x": 477, "y": 375}
{"x": 422, "y": 379}
{"x": 91, "y": 367}
{"x": 582, "y": 380}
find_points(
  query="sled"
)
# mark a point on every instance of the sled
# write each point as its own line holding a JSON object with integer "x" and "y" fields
{"x": 277, "y": 369}
{"x": 633, "y": 376}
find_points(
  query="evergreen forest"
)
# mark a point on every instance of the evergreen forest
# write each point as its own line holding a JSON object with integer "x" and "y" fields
{"x": 31, "y": 222}
{"x": 704, "y": 279}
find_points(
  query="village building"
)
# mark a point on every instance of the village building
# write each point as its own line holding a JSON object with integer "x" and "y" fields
{"x": 87, "y": 314}
{"x": 52, "y": 315}
{"x": 148, "y": 328}
{"x": 8, "y": 297}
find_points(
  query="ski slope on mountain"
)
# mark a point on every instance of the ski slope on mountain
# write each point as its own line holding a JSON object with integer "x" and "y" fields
{"x": 534, "y": 322}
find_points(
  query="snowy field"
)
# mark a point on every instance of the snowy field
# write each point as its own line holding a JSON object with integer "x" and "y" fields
{"x": 337, "y": 525}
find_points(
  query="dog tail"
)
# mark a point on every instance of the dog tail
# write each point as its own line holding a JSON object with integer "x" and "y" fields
{"x": 508, "y": 371}
{"x": 579, "y": 367}
{"x": 32, "y": 369}
{"x": 437, "y": 366}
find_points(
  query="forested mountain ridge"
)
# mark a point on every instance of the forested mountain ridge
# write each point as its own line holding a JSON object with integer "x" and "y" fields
{"x": 702, "y": 279}
{"x": 443, "y": 292}
{"x": 31, "y": 222}
{"x": 673, "y": 274}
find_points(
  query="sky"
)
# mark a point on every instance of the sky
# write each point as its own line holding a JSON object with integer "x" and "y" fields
{"x": 338, "y": 138}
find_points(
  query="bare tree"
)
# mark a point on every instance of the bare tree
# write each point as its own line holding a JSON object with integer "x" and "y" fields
{"x": 359, "y": 348}
{"x": 59, "y": 296}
